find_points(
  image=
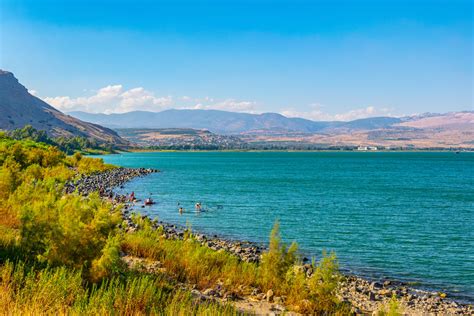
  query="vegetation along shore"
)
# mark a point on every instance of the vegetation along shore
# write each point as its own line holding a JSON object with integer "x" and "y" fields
{"x": 69, "y": 245}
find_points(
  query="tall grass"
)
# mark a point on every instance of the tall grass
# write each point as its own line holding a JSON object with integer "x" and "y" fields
{"x": 66, "y": 250}
{"x": 60, "y": 291}
{"x": 188, "y": 261}
{"x": 280, "y": 270}
{"x": 391, "y": 308}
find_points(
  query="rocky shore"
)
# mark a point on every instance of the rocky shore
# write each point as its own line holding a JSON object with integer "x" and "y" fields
{"x": 105, "y": 182}
{"x": 365, "y": 296}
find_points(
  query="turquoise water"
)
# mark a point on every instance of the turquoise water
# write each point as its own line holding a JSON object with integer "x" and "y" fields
{"x": 408, "y": 216}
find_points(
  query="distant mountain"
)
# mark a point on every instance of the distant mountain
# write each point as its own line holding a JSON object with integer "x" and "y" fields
{"x": 19, "y": 108}
{"x": 429, "y": 130}
{"x": 452, "y": 120}
{"x": 370, "y": 123}
{"x": 224, "y": 122}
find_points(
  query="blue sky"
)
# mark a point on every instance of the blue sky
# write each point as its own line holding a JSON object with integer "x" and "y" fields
{"x": 317, "y": 59}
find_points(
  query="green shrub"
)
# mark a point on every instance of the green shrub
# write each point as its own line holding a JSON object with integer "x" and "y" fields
{"x": 109, "y": 264}
{"x": 323, "y": 284}
{"x": 276, "y": 261}
{"x": 393, "y": 308}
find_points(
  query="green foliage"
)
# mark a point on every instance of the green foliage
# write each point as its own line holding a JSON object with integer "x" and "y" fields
{"x": 393, "y": 308}
{"x": 59, "y": 230}
{"x": 276, "y": 261}
{"x": 88, "y": 165}
{"x": 52, "y": 291}
{"x": 189, "y": 261}
{"x": 69, "y": 145}
{"x": 323, "y": 284}
{"x": 74, "y": 243}
{"x": 67, "y": 230}
{"x": 30, "y": 133}
{"x": 109, "y": 264}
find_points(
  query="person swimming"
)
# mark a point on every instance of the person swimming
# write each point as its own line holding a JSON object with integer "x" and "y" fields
{"x": 198, "y": 207}
{"x": 181, "y": 210}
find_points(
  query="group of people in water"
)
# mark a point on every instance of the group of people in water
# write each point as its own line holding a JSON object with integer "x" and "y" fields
{"x": 133, "y": 199}
{"x": 197, "y": 208}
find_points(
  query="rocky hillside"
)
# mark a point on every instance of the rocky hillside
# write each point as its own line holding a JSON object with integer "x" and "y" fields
{"x": 19, "y": 108}
{"x": 429, "y": 130}
{"x": 222, "y": 122}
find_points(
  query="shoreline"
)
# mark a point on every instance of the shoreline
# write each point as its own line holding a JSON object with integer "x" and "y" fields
{"x": 365, "y": 294}
{"x": 447, "y": 150}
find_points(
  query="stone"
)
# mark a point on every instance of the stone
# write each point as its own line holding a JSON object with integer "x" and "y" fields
{"x": 375, "y": 286}
{"x": 385, "y": 292}
{"x": 229, "y": 296}
{"x": 209, "y": 292}
{"x": 269, "y": 296}
{"x": 372, "y": 296}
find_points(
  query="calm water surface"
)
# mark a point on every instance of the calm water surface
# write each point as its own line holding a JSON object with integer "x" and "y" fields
{"x": 408, "y": 216}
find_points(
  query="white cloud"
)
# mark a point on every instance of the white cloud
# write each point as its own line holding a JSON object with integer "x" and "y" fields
{"x": 316, "y": 114}
{"x": 112, "y": 99}
{"x": 115, "y": 99}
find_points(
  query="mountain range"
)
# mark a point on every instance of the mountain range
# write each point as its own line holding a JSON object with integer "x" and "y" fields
{"x": 429, "y": 130}
{"x": 19, "y": 108}
{"x": 224, "y": 122}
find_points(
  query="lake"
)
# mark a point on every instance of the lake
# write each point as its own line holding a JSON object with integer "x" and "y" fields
{"x": 401, "y": 215}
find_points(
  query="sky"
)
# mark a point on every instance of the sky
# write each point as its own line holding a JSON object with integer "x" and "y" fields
{"x": 322, "y": 60}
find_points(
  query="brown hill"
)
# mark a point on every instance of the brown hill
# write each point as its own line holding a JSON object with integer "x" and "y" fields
{"x": 19, "y": 108}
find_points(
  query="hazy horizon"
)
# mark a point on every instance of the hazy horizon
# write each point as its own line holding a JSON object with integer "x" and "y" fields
{"x": 322, "y": 120}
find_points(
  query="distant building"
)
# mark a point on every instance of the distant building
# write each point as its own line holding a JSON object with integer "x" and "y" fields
{"x": 367, "y": 148}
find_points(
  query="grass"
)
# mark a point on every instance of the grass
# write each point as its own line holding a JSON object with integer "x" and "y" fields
{"x": 61, "y": 254}
{"x": 392, "y": 308}
{"x": 30, "y": 291}
{"x": 190, "y": 262}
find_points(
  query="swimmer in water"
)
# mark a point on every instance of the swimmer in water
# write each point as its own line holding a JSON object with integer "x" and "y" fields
{"x": 198, "y": 207}
{"x": 181, "y": 210}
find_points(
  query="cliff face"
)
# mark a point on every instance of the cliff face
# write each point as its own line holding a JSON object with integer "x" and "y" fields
{"x": 19, "y": 108}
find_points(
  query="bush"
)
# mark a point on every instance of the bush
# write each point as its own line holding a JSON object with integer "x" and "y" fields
{"x": 59, "y": 291}
{"x": 109, "y": 264}
{"x": 393, "y": 308}
{"x": 189, "y": 261}
{"x": 276, "y": 261}
{"x": 73, "y": 245}
{"x": 323, "y": 284}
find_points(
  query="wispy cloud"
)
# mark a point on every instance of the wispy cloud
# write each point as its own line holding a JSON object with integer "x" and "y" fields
{"x": 229, "y": 105}
{"x": 317, "y": 114}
